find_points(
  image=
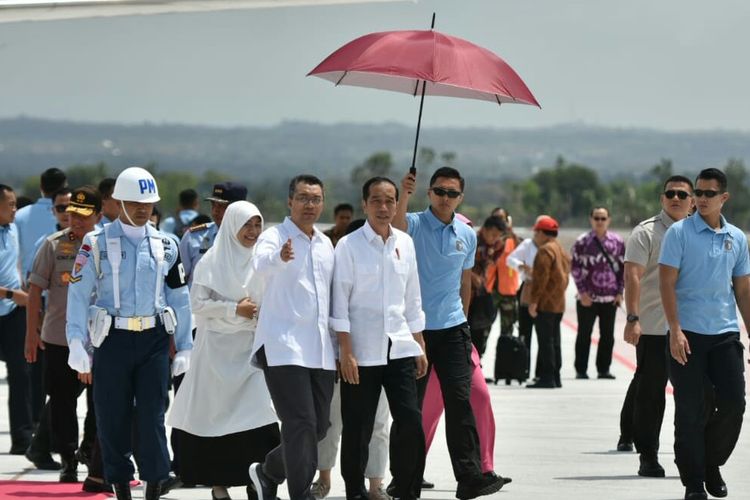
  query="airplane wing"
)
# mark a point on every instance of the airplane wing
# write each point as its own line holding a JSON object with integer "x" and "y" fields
{"x": 39, "y": 10}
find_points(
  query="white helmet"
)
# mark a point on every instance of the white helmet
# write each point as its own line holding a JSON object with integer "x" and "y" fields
{"x": 136, "y": 184}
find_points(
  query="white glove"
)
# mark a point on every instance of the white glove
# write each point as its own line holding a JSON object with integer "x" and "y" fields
{"x": 181, "y": 363}
{"x": 78, "y": 359}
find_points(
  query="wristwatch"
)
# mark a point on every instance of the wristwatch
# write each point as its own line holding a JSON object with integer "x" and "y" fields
{"x": 8, "y": 293}
{"x": 632, "y": 318}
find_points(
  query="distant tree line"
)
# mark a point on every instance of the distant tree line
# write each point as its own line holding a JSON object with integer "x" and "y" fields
{"x": 566, "y": 190}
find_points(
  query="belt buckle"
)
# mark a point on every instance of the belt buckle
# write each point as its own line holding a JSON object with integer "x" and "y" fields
{"x": 135, "y": 324}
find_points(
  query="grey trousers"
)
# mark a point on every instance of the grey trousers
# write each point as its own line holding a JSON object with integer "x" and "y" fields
{"x": 302, "y": 398}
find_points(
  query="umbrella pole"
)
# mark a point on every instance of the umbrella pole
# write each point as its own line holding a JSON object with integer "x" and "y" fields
{"x": 413, "y": 168}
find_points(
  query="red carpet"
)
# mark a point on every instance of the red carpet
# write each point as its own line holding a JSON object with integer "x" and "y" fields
{"x": 31, "y": 490}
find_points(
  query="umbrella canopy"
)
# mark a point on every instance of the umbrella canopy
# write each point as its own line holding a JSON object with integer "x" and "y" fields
{"x": 445, "y": 65}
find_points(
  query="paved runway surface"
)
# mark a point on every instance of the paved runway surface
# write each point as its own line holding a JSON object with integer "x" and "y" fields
{"x": 554, "y": 443}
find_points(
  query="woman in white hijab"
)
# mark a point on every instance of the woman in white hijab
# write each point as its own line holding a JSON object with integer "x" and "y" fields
{"x": 223, "y": 410}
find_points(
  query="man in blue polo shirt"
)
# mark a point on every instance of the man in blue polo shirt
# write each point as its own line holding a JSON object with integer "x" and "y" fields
{"x": 37, "y": 220}
{"x": 13, "y": 327}
{"x": 704, "y": 273}
{"x": 445, "y": 250}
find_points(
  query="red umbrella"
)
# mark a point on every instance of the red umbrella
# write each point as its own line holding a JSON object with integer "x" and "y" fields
{"x": 404, "y": 61}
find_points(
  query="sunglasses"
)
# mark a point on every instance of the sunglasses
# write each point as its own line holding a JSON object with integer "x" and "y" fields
{"x": 671, "y": 193}
{"x": 61, "y": 208}
{"x": 600, "y": 219}
{"x": 708, "y": 193}
{"x": 445, "y": 192}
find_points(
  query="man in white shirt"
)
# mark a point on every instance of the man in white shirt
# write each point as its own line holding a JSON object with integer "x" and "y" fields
{"x": 292, "y": 341}
{"x": 377, "y": 315}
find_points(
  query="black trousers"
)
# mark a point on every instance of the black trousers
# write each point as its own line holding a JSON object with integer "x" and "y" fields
{"x": 525, "y": 330}
{"x": 359, "y": 404}
{"x": 479, "y": 338}
{"x": 643, "y": 409}
{"x": 63, "y": 388}
{"x": 449, "y": 353}
{"x": 605, "y": 311}
{"x": 12, "y": 339}
{"x": 702, "y": 442}
{"x": 550, "y": 355}
{"x": 302, "y": 398}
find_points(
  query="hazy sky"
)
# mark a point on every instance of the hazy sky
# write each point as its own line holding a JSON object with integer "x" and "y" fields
{"x": 666, "y": 64}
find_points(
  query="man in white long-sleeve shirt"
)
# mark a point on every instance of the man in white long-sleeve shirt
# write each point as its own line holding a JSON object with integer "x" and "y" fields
{"x": 292, "y": 341}
{"x": 377, "y": 314}
{"x": 522, "y": 259}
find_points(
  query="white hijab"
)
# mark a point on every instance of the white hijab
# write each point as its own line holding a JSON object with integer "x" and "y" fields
{"x": 225, "y": 268}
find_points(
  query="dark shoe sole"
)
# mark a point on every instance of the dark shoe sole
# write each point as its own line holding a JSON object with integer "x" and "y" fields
{"x": 696, "y": 496}
{"x": 426, "y": 485}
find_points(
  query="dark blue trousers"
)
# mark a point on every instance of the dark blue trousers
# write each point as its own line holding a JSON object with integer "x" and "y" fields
{"x": 131, "y": 370}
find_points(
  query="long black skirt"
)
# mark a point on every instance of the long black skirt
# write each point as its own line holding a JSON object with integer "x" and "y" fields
{"x": 224, "y": 460}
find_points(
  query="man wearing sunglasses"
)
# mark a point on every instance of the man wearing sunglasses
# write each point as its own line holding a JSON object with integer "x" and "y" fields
{"x": 704, "y": 275}
{"x": 643, "y": 410}
{"x": 445, "y": 257}
{"x": 597, "y": 269}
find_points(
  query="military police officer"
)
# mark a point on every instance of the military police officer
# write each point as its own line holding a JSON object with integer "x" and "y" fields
{"x": 140, "y": 297}
{"x": 198, "y": 239}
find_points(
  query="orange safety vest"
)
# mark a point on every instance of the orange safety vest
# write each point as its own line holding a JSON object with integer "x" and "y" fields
{"x": 500, "y": 276}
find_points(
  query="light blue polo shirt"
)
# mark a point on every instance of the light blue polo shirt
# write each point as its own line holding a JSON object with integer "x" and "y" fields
{"x": 33, "y": 221}
{"x": 9, "y": 277}
{"x": 707, "y": 261}
{"x": 444, "y": 251}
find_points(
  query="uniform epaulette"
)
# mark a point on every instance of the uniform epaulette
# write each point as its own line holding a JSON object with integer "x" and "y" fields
{"x": 199, "y": 227}
{"x": 56, "y": 235}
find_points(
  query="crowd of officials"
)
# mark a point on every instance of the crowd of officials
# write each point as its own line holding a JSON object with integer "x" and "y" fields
{"x": 282, "y": 342}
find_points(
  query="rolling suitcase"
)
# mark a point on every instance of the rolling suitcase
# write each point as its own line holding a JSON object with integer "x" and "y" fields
{"x": 510, "y": 359}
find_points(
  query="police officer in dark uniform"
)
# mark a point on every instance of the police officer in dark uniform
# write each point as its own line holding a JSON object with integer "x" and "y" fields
{"x": 140, "y": 297}
{"x": 198, "y": 239}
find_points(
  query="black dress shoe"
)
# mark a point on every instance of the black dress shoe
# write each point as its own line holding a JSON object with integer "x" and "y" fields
{"x": 92, "y": 486}
{"x": 715, "y": 484}
{"x": 650, "y": 466}
{"x": 426, "y": 485}
{"x": 606, "y": 376}
{"x": 582, "y": 376}
{"x": 542, "y": 384}
{"x": 42, "y": 461}
{"x": 624, "y": 444}
{"x": 485, "y": 485}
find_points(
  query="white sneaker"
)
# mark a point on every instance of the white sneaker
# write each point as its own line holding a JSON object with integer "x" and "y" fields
{"x": 380, "y": 494}
{"x": 320, "y": 490}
